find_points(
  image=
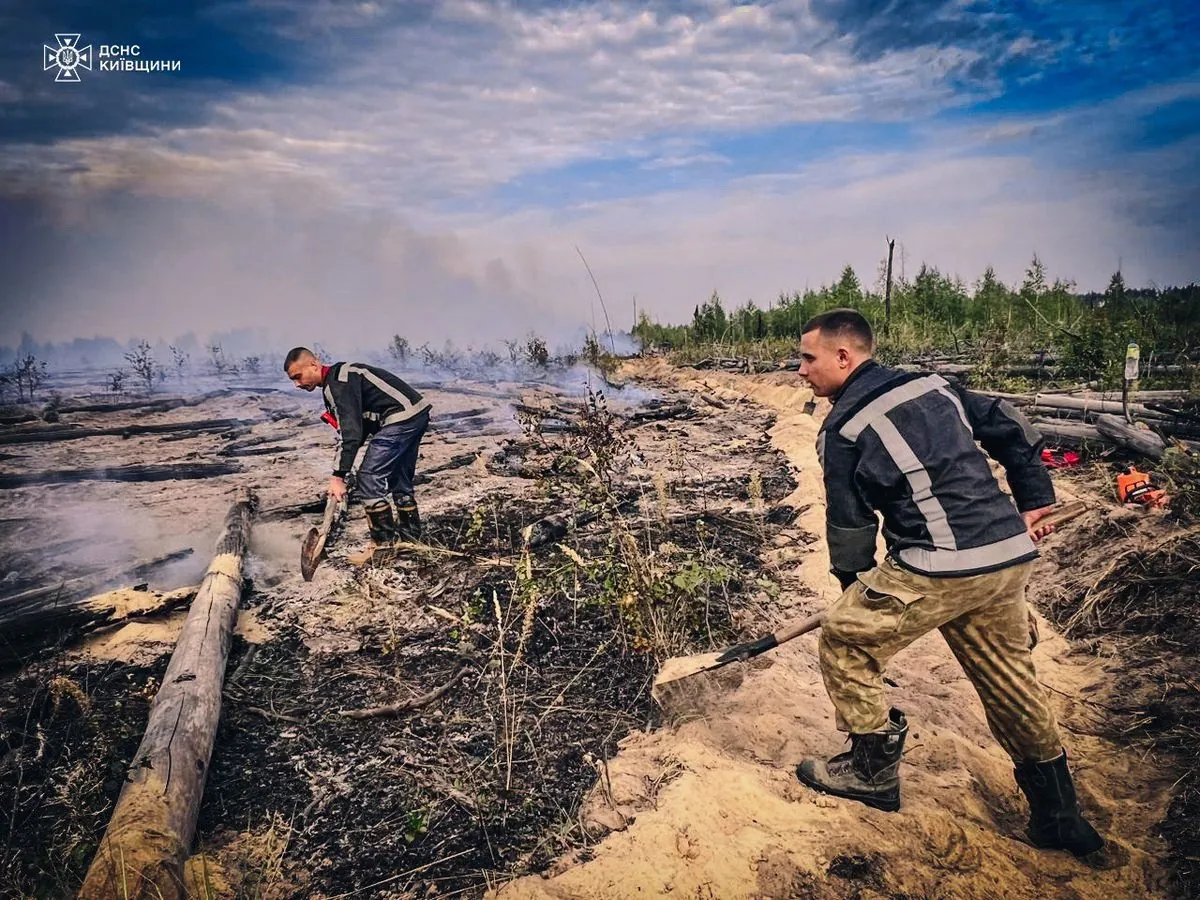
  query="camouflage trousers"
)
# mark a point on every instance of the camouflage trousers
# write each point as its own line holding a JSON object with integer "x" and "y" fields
{"x": 984, "y": 619}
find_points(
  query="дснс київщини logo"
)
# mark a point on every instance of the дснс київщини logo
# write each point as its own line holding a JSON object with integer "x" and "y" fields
{"x": 68, "y": 56}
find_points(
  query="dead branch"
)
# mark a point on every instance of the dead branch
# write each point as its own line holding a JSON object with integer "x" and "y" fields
{"x": 394, "y": 709}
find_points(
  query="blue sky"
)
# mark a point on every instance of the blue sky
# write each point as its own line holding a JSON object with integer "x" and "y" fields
{"x": 336, "y": 170}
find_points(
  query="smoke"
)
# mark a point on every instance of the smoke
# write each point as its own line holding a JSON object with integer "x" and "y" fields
{"x": 260, "y": 274}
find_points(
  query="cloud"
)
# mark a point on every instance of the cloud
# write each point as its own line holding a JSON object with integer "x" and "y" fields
{"x": 432, "y": 108}
{"x": 429, "y": 167}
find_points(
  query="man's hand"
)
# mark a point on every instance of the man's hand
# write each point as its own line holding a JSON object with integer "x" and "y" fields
{"x": 1031, "y": 519}
{"x": 337, "y": 488}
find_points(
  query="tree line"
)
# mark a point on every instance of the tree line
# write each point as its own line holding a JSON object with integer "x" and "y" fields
{"x": 935, "y": 311}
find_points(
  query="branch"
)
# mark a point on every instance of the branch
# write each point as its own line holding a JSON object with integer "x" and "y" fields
{"x": 406, "y": 705}
{"x": 1047, "y": 321}
{"x": 607, "y": 324}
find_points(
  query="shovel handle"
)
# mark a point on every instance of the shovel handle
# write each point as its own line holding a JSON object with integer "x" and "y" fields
{"x": 804, "y": 626}
{"x": 1062, "y": 515}
{"x": 331, "y": 508}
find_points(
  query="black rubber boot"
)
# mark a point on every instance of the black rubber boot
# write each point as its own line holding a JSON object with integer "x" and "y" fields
{"x": 381, "y": 525}
{"x": 1055, "y": 820}
{"x": 409, "y": 519}
{"x": 869, "y": 772}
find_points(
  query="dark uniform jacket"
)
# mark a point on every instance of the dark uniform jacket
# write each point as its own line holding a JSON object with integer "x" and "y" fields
{"x": 361, "y": 399}
{"x": 904, "y": 444}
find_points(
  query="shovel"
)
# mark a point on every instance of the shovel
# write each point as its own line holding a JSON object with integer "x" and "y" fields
{"x": 312, "y": 551}
{"x": 681, "y": 667}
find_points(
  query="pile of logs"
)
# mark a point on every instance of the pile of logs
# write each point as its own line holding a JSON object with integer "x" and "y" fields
{"x": 737, "y": 364}
{"x": 1142, "y": 426}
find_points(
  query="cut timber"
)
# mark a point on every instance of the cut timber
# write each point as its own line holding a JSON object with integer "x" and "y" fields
{"x": 181, "y": 471}
{"x": 1063, "y": 432}
{"x": 1136, "y": 440}
{"x": 152, "y": 827}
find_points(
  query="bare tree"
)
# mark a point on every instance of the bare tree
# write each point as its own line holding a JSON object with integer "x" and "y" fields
{"x": 180, "y": 359}
{"x": 27, "y": 373}
{"x": 141, "y": 359}
{"x": 220, "y": 362}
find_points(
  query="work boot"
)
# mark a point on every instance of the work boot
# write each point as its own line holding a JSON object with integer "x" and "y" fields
{"x": 1055, "y": 820}
{"x": 868, "y": 772}
{"x": 408, "y": 519}
{"x": 381, "y": 526}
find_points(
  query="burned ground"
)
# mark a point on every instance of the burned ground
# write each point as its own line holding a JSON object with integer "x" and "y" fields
{"x": 573, "y": 544}
{"x": 1131, "y": 600}
{"x": 549, "y": 636}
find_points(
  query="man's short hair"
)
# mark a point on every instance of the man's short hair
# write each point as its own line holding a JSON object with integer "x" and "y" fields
{"x": 843, "y": 323}
{"x": 294, "y": 355}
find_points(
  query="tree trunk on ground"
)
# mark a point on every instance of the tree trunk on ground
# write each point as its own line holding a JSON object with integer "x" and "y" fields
{"x": 74, "y": 433}
{"x": 154, "y": 822}
{"x": 183, "y": 471}
{"x": 1066, "y": 432}
{"x": 1145, "y": 443}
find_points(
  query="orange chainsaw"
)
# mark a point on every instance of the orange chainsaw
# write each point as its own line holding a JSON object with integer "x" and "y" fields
{"x": 1134, "y": 487}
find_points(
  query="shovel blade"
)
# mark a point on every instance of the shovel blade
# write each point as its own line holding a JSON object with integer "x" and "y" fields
{"x": 310, "y": 553}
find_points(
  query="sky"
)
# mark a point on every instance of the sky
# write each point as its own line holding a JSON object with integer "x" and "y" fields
{"x": 339, "y": 172}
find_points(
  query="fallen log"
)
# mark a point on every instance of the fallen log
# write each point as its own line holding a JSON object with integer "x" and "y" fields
{"x": 158, "y": 404}
{"x": 460, "y": 426}
{"x": 73, "y": 587}
{"x": 455, "y": 462}
{"x": 680, "y": 410}
{"x": 248, "y": 442}
{"x": 1135, "y": 440}
{"x": 154, "y": 821}
{"x": 144, "y": 403}
{"x": 72, "y": 433}
{"x": 463, "y": 414}
{"x": 1064, "y": 412}
{"x": 258, "y": 451}
{"x": 1059, "y": 432}
{"x": 181, "y": 471}
{"x": 454, "y": 389}
{"x": 292, "y": 509}
{"x": 18, "y": 418}
{"x": 1173, "y": 413}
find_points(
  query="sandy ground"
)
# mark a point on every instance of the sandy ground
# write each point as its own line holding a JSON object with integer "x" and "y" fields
{"x": 710, "y": 808}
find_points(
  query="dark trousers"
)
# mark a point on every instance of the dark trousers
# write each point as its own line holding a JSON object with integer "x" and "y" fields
{"x": 390, "y": 462}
